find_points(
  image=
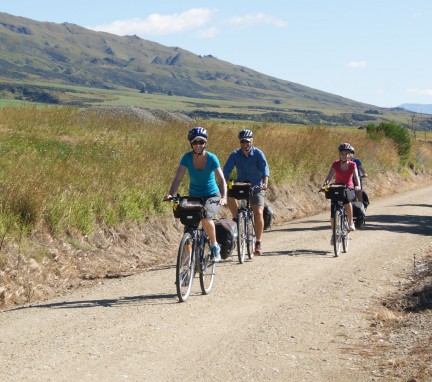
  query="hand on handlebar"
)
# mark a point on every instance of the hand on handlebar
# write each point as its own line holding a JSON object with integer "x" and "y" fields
{"x": 222, "y": 201}
{"x": 324, "y": 186}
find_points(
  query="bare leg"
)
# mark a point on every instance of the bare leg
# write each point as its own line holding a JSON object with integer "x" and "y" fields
{"x": 210, "y": 230}
{"x": 232, "y": 205}
{"x": 359, "y": 195}
{"x": 349, "y": 211}
{"x": 259, "y": 220}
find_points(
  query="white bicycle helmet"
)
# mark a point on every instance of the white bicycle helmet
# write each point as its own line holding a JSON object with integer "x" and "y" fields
{"x": 245, "y": 134}
{"x": 197, "y": 132}
{"x": 345, "y": 146}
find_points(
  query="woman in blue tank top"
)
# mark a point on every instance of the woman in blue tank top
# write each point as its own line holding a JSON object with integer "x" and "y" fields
{"x": 206, "y": 181}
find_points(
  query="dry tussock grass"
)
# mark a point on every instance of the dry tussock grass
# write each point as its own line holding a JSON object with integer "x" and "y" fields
{"x": 400, "y": 338}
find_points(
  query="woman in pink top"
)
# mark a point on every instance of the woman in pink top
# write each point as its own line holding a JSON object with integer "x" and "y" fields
{"x": 345, "y": 172}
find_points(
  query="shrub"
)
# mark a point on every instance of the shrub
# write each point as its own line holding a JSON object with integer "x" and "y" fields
{"x": 399, "y": 134}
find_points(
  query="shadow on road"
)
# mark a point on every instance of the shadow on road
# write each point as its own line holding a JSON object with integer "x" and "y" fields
{"x": 298, "y": 252}
{"x": 415, "y": 205}
{"x": 316, "y": 225}
{"x": 414, "y": 224}
{"x": 106, "y": 303}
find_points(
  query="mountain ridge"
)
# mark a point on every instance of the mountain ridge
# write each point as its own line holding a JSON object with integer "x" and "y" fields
{"x": 35, "y": 56}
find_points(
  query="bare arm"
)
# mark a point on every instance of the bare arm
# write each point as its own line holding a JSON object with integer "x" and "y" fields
{"x": 356, "y": 180}
{"x": 181, "y": 170}
{"x": 264, "y": 182}
{"x": 328, "y": 178}
{"x": 222, "y": 184}
{"x": 362, "y": 171}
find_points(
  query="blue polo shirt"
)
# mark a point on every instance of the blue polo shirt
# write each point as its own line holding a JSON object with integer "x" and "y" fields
{"x": 202, "y": 183}
{"x": 249, "y": 168}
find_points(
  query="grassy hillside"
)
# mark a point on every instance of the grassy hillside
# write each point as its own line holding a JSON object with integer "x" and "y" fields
{"x": 66, "y": 64}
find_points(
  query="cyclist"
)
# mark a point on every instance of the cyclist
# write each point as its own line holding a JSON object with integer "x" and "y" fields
{"x": 345, "y": 172}
{"x": 360, "y": 172}
{"x": 205, "y": 174}
{"x": 251, "y": 166}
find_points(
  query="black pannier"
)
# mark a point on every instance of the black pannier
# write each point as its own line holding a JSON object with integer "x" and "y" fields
{"x": 189, "y": 210}
{"x": 336, "y": 192}
{"x": 365, "y": 199}
{"x": 268, "y": 217}
{"x": 239, "y": 190}
{"x": 226, "y": 236}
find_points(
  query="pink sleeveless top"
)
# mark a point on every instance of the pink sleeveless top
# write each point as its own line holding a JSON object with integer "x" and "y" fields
{"x": 344, "y": 177}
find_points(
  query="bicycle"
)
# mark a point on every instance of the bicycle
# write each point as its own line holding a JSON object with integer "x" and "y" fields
{"x": 194, "y": 249}
{"x": 340, "y": 233}
{"x": 245, "y": 218}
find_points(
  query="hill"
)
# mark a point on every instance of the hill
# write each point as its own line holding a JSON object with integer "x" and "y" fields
{"x": 68, "y": 64}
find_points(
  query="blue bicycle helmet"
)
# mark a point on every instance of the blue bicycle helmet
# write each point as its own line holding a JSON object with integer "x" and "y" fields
{"x": 197, "y": 132}
{"x": 245, "y": 134}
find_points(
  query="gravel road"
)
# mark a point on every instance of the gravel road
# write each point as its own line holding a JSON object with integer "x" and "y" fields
{"x": 294, "y": 314}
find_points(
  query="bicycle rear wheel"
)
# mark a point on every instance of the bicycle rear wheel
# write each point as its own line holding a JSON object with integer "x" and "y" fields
{"x": 250, "y": 232}
{"x": 185, "y": 267}
{"x": 337, "y": 233}
{"x": 345, "y": 234}
{"x": 241, "y": 235}
{"x": 207, "y": 268}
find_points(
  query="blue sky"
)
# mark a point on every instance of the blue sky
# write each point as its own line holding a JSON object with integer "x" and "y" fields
{"x": 372, "y": 51}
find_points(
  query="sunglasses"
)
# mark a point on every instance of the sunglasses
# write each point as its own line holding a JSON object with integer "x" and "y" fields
{"x": 244, "y": 141}
{"x": 199, "y": 143}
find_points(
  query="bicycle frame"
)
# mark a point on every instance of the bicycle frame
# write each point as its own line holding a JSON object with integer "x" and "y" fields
{"x": 246, "y": 229}
{"x": 340, "y": 228}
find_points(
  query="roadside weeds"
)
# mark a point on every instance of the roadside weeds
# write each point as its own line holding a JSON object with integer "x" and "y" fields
{"x": 400, "y": 336}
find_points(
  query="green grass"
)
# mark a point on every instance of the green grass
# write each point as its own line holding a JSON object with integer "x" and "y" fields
{"x": 61, "y": 172}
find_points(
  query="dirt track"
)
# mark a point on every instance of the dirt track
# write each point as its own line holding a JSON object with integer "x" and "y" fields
{"x": 294, "y": 314}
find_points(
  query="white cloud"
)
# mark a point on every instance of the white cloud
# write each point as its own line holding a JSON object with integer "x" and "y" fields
{"x": 157, "y": 24}
{"x": 256, "y": 19}
{"x": 356, "y": 64}
{"x": 208, "y": 33}
{"x": 426, "y": 92}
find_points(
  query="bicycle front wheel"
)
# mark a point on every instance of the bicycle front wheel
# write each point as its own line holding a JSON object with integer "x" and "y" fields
{"x": 345, "y": 234}
{"x": 250, "y": 232}
{"x": 185, "y": 267}
{"x": 337, "y": 233}
{"x": 241, "y": 236}
{"x": 207, "y": 267}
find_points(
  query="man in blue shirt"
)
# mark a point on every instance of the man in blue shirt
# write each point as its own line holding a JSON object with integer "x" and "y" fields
{"x": 251, "y": 166}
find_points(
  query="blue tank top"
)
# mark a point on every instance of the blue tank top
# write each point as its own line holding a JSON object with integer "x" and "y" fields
{"x": 202, "y": 183}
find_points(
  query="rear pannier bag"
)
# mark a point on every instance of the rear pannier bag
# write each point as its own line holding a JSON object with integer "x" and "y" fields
{"x": 189, "y": 210}
{"x": 268, "y": 216}
{"x": 226, "y": 236}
